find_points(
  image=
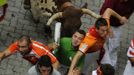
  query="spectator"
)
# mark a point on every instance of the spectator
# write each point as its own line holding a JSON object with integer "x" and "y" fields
{"x": 92, "y": 44}
{"x": 43, "y": 67}
{"x": 67, "y": 49}
{"x": 117, "y": 11}
{"x": 29, "y": 49}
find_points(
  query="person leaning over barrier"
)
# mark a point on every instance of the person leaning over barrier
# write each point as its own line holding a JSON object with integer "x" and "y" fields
{"x": 92, "y": 43}
{"x": 29, "y": 49}
{"x": 118, "y": 12}
{"x": 67, "y": 49}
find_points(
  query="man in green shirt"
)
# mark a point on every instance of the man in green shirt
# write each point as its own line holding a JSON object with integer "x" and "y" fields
{"x": 67, "y": 49}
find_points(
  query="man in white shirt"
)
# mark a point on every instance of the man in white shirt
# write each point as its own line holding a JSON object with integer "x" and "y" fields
{"x": 43, "y": 67}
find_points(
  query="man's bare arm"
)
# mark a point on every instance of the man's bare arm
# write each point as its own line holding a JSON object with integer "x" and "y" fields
{"x": 109, "y": 12}
{"x": 4, "y": 54}
{"x": 74, "y": 61}
{"x": 56, "y": 65}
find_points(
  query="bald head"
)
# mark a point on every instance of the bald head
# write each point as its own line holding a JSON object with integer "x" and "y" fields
{"x": 24, "y": 39}
{"x": 24, "y": 44}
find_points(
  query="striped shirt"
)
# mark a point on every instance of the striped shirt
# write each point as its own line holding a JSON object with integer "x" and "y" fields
{"x": 130, "y": 52}
{"x": 37, "y": 50}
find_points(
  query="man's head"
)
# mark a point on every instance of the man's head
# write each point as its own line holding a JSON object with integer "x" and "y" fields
{"x": 24, "y": 44}
{"x": 44, "y": 65}
{"x": 102, "y": 27}
{"x": 106, "y": 69}
{"x": 78, "y": 37}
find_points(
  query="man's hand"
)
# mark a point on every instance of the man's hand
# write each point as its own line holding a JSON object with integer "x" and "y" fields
{"x": 76, "y": 71}
{"x": 4, "y": 54}
{"x": 110, "y": 33}
{"x": 1, "y": 56}
{"x": 70, "y": 73}
{"x": 53, "y": 45}
{"x": 123, "y": 20}
{"x": 75, "y": 60}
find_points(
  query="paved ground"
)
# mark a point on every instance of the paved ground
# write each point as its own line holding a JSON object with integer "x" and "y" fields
{"x": 19, "y": 22}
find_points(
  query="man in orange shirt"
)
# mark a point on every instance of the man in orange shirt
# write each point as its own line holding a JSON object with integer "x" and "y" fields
{"x": 29, "y": 49}
{"x": 92, "y": 43}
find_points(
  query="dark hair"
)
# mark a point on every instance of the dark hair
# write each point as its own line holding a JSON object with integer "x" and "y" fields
{"x": 25, "y": 37}
{"x": 107, "y": 69}
{"x": 45, "y": 60}
{"x": 100, "y": 22}
{"x": 81, "y": 32}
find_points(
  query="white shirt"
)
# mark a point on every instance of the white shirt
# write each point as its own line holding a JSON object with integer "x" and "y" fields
{"x": 33, "y": 71}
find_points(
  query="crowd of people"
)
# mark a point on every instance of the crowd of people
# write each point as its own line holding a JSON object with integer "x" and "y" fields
{"x": 73, "y": 55}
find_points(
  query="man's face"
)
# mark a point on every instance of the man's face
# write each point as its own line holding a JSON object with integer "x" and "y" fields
{"x": 77, "y": 38}
{"x": 103, "y": 31}
{"x": 23, "y": 47}
{"x": 45, "y": 70}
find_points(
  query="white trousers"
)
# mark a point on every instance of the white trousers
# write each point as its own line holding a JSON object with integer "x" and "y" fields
{"x": 110, "y": 46}
{"x": 129, "y": 70}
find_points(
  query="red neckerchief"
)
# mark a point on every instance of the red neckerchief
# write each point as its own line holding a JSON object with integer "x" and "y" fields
{"x": 93, "y": 32}
{"x": 32, "y": 59}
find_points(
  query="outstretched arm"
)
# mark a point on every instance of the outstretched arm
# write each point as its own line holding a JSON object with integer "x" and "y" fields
{"x": 55, "y": 16}
{"x": 109, "y": 12}
{"x": 74, "y": 61}
{"x": 56, "y": 65}
{"x": 91, "y": 13}
{"x": 4, "y": 54}
{"x": 53, "y": 46}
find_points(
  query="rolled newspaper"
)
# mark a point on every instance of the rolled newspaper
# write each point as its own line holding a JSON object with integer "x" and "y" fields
{"x": 57, "y": 32}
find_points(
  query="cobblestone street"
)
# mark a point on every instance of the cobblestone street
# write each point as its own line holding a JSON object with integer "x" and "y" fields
{"x": 18, "y": 21}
